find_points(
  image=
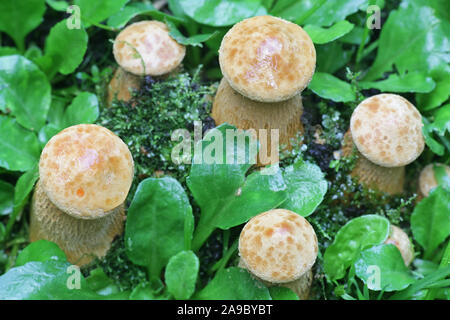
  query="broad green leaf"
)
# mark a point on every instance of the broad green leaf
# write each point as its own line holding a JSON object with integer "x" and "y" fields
{"x": 442, "y": 176}
{"x": 441, "y": 75}
{"x": 325, "y": 15}
{"x": 24, "y": 90}
{"x": 233, "y": 284}
{"x": 100, "y": 283}
{"x": 321, "y": 35}
{"x": 429, "y": 130}
{"x": 24, "y": 186}
{"x": 196, "y": 41}
{"x": 354, "y": 36}
{"x": 410, "y": 30}
{"x": 83, "y": 109}
{"x": 96, "y": 11}
{"x": 59, "y": 42}
{"x": 430, "y": 220}
{"x": 219, "y": 13}
{"x": 306, "y": 187}
{"x": 6, "y": 198}
{"x": 128, "y": 12}
{"x": 441, "y": 122}
{"x": 226, "y": 197}
{"x": 47, "y": 132}
{"x": 41, "y": 250}
{"x": 410, "y": 82}
{"x": 58, "y": 5}
{"x": 181, "y": 274}
{"x": 340, "y": 57}
{"x": 19, "y": 147}
{"x": 282, "y": 293}
{"x": 19, "y": 17}
{"x": 328, "y": 86}
{"x": 382, "y": 268}
{"x": 155, "y": 230}
{"x": 48, "y": 280}
{"x": 8, "y": 51}
{"x": 356, "y": 235}
{"x": 142, "y": 291}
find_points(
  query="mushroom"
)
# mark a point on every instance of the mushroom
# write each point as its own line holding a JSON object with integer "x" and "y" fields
{"x": 266, "y": 63}
{"x": 387, "y": 132}
{"x": 143, "y": 48}
{"x": 400, "y": 239}
{"x": 427, "y": 179}
{"x": 279, "y": 247}
{"x": 85, "y": 173}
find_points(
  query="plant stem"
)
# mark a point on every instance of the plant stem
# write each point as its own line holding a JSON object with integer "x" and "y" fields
{"x": 202, "y": 232}
{"x": 219, "y": 265}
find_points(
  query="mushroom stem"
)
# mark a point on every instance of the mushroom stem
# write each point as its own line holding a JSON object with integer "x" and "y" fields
{"x": 285, "y": 116}
{"x": 50, "y": 223}
{"x": 371, "y": 175}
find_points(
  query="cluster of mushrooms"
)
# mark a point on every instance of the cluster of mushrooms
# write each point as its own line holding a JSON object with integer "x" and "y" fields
{"x": 86, "y": 170}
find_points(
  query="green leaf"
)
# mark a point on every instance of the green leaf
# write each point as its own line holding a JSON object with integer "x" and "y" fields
{"x": 41, "y": 250}
{"x": 24, "y": 90}
{"x": 321, "y": 35}
{"x": 382, "y": 268}
{"x": 282, "y": 293}
{"x": 220, "y": 188}
{"x": 58, "y": 5}
{"x": 430, "y": 220}
{"x": 233, "y": 284}
{"x": 340, "y": 57}
{"x": 306, "y": 187}
{"x": 154, "y": 230}
{"x": 219, "y": 13}
{"x": 328, "y": 86}
{"x": 442, "y": 178}
{"x": 438, "y": 127}
{"x": 181, "y": 274}
{"x": 42, "y": 281}
{"x": 410, "y": 29}
{"x": 196, "y": 41}
{"x": 23, "y": 188}
{"x": 47, "y": 132}
{"x": 440, "y": 94}
{"x": 8, "y": 51}
{"x": 83, "y": 109}
{"x": 356, "y": 235}
{"x": 99, "y": 282}
{"x": 128, "y": 12}
{"x": 142, "y": 291}
{"x": 59, "y": 42}
{"x": 327, "y": 14}
{"x": 19, "y": 148}
{"x": 410, "y": 82}
{"x": 96, "y": 11}
{"x": 6, "y": 198}
{"x": 354, "y": 36}
{"x": 19, "y": 17}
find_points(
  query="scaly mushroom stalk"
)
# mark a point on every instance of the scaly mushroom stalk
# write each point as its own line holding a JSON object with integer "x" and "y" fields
{"x": 427, "y": 180}
{"x": 266, "y": 63}
{"x": 386, "y": 130}
{"x": 85, "y": 174}
{"x": 279, "y": 247}
{"x": 143, "y": 48}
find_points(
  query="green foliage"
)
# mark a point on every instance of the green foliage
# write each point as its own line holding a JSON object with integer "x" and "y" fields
{"x": 181, "y": 274}
{"x": 93, "y": 12}
{"x": 410, "y": 82}
{"x": 328, "y": 86}
{"x": 282, "y": 293}
{"x": 41, "y": 251}
{"x": 6, "y": 198}
{"x": 321, "y": 35}
{"x": 355, "y": 236}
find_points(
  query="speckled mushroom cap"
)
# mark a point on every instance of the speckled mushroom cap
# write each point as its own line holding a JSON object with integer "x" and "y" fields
{"x": 278, "y": 246}
{"x": 86, "y": 171}
{"x": 387, "y": 130}
{"x": 267, "y": 59}
{"x": 427, "y": 179}
{"x": 146, "y": 48}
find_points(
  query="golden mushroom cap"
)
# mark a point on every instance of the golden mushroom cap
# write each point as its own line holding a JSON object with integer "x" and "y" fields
{"x": 278, "y": 246}
{"x": 146, "y": 48}
{"x": 427, "y": 179}
{"x": 86, "y": 171}
{"x": 267, "y": 59}
{"x": 387, "y": 130}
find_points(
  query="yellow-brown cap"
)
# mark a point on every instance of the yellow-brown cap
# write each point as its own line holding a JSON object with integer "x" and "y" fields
{"x": 146, "y": 48}
{"x": 427, "y": 179}
{"x": 267, "y": 59}
{"x": 86, "y": 171}
{"x": 387, "y": 130}
{"x": 278, "y": 246}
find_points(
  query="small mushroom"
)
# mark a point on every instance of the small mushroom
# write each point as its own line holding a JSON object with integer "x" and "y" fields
{"x": 85, "y": 173}
{"x": 427, "y": 179}
{"x": 266, "y": 63}
{"x": 279, "y": 247}
{"x": 143, "y": 48}
{"x": 387, "y": 132}
{"x": 400, "y": 239}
